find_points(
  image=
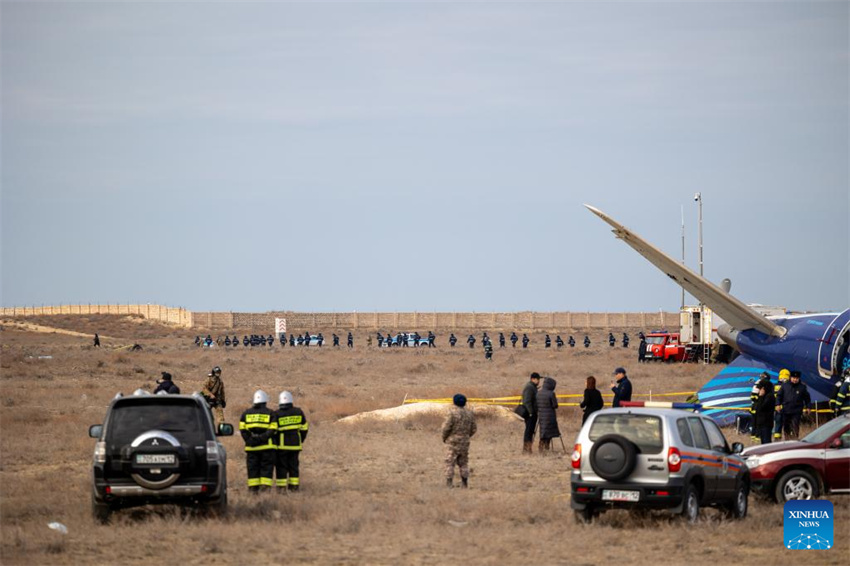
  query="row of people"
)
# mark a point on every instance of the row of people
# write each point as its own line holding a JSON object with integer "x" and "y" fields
{"x": 402, "y": 339}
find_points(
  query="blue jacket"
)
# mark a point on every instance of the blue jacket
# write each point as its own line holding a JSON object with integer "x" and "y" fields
{"x": 622, "y": 391}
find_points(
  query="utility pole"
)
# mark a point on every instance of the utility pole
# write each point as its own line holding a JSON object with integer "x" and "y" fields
{"x": 698, "y": 199}
{"x": 683, "y": 252}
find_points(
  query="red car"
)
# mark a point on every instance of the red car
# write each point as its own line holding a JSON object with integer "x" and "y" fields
{"x": 818, "y": 464}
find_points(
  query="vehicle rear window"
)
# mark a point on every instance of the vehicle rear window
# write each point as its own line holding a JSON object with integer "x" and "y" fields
{"x": 643, "y": 430}
{"x": 698, "y": 431}
{"x": 685, "y": 432}
{"x": 133, "y": 417}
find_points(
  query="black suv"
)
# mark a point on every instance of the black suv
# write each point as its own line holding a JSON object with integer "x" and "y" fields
{"x": 156, "y": 449}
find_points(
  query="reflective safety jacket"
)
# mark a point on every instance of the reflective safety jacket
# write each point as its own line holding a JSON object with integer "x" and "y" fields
{"x": 292, "y": 427}
{"x": 841, "y": 404}
{"x": 258, "y": 428}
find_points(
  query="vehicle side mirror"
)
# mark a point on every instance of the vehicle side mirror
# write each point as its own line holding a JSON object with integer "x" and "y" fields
{"x": 95, "y": 430}
{"x": 737, "y": 448}
{"x": 225, "y": 429}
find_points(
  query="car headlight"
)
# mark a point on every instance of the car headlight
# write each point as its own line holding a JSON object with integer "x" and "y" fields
{"x": 753, "y": 462}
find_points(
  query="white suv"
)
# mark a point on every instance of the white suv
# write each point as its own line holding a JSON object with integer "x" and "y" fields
{"x": 639, "y": 458}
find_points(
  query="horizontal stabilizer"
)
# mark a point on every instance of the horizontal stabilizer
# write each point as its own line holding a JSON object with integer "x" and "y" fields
{"x": 730, "y": 309}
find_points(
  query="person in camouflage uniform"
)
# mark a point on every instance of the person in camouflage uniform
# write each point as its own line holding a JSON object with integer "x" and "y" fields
{"x": 458, "y": 428}
{"x": 213, "y": 392}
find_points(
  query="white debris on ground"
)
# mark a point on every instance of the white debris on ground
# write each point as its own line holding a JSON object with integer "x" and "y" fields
{"x": 59, "y": 527}
{"x": 416, "y": 409}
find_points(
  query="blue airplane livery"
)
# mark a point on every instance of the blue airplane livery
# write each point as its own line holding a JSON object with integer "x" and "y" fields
{"x": 816, "y": 345}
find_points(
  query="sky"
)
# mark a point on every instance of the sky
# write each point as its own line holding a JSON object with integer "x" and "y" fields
{"x": 404, "y": 156}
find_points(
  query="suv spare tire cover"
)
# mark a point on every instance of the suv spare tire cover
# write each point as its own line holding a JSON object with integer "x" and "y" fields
{"x": 155, "y": 476}
{"x": 613, "y": 457}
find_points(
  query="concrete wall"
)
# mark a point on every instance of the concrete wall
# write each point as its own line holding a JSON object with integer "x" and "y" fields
{"x": 169, "y": 315}
{"x": 424, "y": 321}
{"x": 386, "y": 321}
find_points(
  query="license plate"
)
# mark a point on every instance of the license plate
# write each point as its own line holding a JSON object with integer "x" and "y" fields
{"x": 155, "y": 458}
{"x": 617, "y": 495}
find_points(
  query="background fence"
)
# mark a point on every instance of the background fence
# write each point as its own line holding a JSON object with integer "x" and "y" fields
{"x": 169, "y": 315}
{"x": 395, "y": 321}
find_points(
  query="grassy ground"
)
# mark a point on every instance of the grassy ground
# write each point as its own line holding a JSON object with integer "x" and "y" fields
{"x": 371, "y": 493}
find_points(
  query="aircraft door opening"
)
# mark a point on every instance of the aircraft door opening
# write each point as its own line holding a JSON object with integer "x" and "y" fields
{"x": 834, "y": 345}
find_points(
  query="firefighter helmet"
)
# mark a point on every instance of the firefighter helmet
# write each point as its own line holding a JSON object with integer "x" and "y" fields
{"x": 260, "y": 396}
{"x": 285, "y": 398}
{"x": 784, "y": 374}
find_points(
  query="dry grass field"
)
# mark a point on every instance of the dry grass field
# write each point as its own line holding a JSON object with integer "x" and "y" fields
{"x": 371, "y": 493}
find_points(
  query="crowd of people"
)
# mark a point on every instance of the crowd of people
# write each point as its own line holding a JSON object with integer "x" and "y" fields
{"x": 777, "y": 408}
{"x": 398, "y": 340}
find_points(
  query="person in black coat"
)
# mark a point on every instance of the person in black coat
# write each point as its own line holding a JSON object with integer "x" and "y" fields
{"x": 525, "y": 340}
{"x": 764, "y": 409}
{"x": 793, "y": 397}
{"x": 642, "y": 350}
{"x": 513, "y": 339}
{"x": 547, "y": 403}
{"x": 166, "y": 385}
{"x": 621, "y": 387}
{"x": 528, "y": 411}
{"x": 592, "y": 401}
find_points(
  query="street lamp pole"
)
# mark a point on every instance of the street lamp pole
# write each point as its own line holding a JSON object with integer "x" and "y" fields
{"x": 698, "y": 198}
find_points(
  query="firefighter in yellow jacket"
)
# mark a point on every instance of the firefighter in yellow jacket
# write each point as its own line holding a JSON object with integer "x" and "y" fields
{"x": 259, "y": 431}
{"x": 292, "y": 428}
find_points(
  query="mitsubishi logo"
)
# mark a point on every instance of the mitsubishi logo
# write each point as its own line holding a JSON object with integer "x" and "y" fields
{"x": 154, "y": 443}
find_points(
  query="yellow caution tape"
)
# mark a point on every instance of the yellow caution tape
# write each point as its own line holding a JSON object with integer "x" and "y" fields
{"x": 515, "y": 399}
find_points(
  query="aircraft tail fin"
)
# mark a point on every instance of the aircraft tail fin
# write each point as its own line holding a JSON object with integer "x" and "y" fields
{"x": 730, "y": 309}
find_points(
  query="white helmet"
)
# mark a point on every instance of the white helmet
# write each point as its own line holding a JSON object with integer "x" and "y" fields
{"x": 260, "y": 396}
{"x": 285, "y": 398}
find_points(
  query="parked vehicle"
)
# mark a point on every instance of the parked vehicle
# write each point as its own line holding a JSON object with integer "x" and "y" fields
{"x": 671, "y": 459}
{"x": 155, "y": 449}
{"x": 664, "y": 346}
{"x": 818, "y": 464}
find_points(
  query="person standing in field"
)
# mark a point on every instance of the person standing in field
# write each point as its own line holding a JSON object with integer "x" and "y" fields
{"x": 258, "y": 431}
{"x": 528, "y": 411}
{"x": 621, "y": 386}
{"x": 292, "y": 431}
{"x": 213, "y": 393}
{"x": 96, "y": 340}
{"x": 547, "y": 404}
{"x": 765, "y": 408}
{"x": 458, "y": 428}
{"x": 592, "y": 401}
{"x": 792, "y": 399}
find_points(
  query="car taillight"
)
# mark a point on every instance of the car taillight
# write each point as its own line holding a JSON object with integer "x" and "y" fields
{"x": 100, "y": 453}
{"x": 576, "y": 457}
{"x": 212, "y": 451}
{"x": 674, "y": 459}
